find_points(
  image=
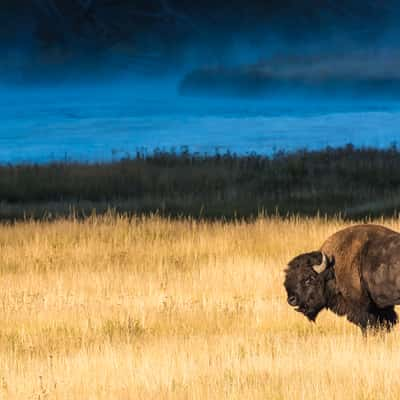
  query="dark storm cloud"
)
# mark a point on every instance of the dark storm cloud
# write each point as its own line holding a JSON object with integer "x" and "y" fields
{"x": 59, "y": 38}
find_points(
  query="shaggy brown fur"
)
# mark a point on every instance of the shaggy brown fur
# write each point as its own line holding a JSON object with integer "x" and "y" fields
{"x": 362, "y": 280}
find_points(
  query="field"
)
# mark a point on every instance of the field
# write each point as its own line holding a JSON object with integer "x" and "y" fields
{"x": 149, "y": 308}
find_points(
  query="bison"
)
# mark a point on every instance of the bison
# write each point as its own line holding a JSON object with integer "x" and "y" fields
{"x": 355, "y": 273}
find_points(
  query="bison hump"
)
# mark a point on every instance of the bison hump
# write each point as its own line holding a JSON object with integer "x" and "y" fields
{"x": 348, "y": 247}
{"x": 381, "y": 271}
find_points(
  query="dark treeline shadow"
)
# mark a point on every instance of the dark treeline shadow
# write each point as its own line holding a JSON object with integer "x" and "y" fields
{"x": 348, "y": 181}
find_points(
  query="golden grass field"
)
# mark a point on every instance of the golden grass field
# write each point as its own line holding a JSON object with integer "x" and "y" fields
{"x": 150, "y": 308}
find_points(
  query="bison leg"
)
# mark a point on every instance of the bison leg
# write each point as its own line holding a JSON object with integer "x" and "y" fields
{"x": 379, "y": 319}
{"x": 386, "y": 318}
{"x": 374, "y": 319}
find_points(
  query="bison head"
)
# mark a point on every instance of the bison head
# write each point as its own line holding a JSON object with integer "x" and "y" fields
{"x": 305, "y": 282}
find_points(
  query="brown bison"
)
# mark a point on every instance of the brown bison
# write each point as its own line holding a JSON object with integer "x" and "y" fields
{"x": 355, "y": 273}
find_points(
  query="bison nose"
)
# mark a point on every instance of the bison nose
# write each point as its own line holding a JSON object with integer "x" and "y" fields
{"x": 292, "y": 300}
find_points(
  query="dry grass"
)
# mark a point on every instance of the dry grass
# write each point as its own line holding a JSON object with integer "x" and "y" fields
{"x": 155, "y": 309}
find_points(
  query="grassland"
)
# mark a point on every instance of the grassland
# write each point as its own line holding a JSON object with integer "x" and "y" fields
{"x": 352, "y": 182}
{"x": 151, "y": 308}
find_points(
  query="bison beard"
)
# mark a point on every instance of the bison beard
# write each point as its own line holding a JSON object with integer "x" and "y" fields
{"x": 356, "y": 274}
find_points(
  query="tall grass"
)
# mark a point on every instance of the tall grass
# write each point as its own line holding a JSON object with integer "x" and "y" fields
{"x": 151, "y": 308}
{"x": 352, "y": 182}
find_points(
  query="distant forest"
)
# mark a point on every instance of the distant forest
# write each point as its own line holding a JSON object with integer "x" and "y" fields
{"x": 351, "y": 182}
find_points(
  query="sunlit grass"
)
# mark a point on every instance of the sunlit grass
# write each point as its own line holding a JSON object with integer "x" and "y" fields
{"x": 150, "y": 308}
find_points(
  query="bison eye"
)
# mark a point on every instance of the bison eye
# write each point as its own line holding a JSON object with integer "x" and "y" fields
{"x": 309, "y": 281}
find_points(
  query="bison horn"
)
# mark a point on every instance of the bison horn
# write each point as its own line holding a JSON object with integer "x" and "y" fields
{"x": 321, "y": 267}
